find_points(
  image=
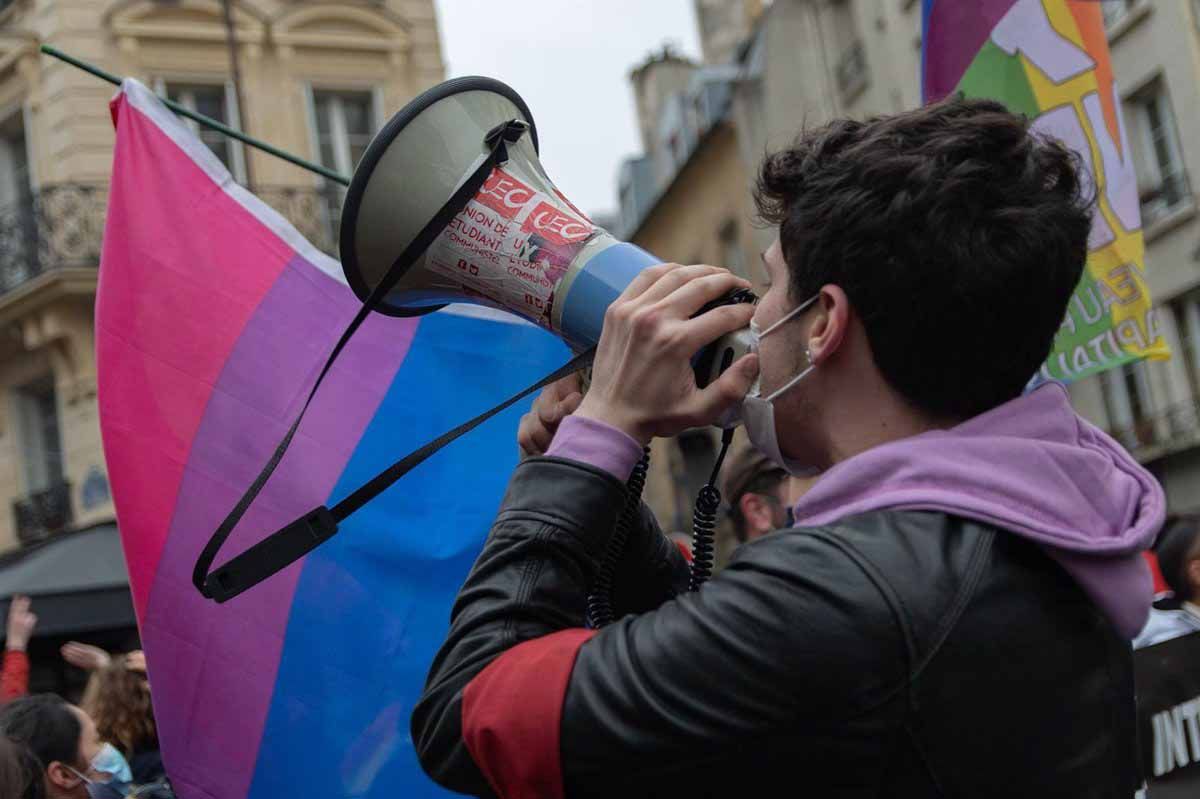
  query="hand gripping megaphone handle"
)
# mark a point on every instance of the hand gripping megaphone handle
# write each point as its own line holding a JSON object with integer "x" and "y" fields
{"x": 289, "y": 538}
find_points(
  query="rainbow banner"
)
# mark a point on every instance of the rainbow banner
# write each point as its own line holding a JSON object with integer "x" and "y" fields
{"x": 213, "y": 316}
{"x": 1049, "y": 60}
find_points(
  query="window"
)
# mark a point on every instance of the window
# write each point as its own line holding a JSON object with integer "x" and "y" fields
{"x": 1116, "y": 10}
{"x": 851, "y": 68}
{"x": 1163, "y": 183}
{"x": 345, "y": 123}
{"x": 220, "y": 103}
{"x": 1186, "y": 310}
{"x": 1127, "y": 400}
{"x": 41, "y": 448}
{"x": 14, "y": 161}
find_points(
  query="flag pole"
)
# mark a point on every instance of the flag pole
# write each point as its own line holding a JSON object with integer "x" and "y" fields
{"x": 207, "y": 122}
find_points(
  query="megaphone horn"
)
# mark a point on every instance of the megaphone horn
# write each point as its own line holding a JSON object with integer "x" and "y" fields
{"x": 516, "y": 243}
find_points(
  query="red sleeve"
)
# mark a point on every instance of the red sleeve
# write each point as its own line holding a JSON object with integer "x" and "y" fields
{"x": 14, "y": 679}
{"x": 1160, "y": 585}
{"x": 511, "y": 714}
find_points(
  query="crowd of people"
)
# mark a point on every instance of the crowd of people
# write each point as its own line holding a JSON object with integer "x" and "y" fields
{"x": 106, "y": 746}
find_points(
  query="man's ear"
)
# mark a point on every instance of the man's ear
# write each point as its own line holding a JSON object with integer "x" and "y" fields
{"x": 61, "y": 777}
{"x": 756, "y": 512}
{"x": 829, "y": 324}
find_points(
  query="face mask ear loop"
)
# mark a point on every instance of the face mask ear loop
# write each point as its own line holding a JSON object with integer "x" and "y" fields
{"x": 790, "y": 314}
{"x": 789, "y": 384}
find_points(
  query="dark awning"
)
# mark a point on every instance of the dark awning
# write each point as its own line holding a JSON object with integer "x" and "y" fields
{"x": 77, "y": 580}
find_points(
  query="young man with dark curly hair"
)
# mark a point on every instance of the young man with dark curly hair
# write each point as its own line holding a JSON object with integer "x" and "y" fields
{"x": 950, "y": 614}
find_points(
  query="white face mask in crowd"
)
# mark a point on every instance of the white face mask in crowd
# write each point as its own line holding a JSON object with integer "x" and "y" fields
{"x": 758, "y": 412}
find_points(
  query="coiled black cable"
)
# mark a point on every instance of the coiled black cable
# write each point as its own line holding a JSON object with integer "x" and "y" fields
{"x": 704, "y": 520}
{"x": 599, "y": 601}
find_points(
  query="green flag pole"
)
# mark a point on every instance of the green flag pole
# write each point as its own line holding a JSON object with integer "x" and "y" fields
{"x": 207, "y": 122}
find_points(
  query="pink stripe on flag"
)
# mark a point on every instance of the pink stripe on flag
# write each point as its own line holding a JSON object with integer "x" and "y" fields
{"x": 163, "y": 210}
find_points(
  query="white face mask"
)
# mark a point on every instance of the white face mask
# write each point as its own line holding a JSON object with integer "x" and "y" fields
{"x": 758, "y": 412}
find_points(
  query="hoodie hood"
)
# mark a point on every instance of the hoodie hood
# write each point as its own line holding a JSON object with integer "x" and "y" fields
{"x": 1032, "y": 467}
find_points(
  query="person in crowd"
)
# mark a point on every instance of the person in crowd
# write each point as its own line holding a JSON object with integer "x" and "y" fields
{"x": 14, "y": 675}
{"x": 20, "y": 775}
{"x": 951, "y": 614}
{"x": 1178, "y": 553}
{"x": 755, "y": 490}
{"x": 118, "y": 698}
{"x": 63, "y": 739}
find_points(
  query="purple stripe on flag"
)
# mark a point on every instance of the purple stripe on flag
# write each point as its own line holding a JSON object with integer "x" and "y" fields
{"x": 217, "y": 675}
{"x": 955, "y": 30}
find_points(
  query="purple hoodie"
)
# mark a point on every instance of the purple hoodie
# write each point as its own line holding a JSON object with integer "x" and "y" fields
{"x": 1032, "y": 467}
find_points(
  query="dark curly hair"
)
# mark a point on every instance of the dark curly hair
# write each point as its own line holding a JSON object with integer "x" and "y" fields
{"x": 956, "y": 232}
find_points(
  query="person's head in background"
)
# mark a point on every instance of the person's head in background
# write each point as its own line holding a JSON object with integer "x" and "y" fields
{"x": 20, "y": 773}
{"x": 757, "y": 492}
{"x": 1178, "y": 553}
{"x": 119, "y": 700}
{"x": 61, "y": 736}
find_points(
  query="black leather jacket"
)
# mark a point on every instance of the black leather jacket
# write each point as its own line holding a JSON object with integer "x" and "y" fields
{"x": 893, "y": 654}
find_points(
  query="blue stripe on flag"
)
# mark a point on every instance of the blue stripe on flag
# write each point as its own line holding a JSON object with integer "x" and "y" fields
{"x": 373, "y": 604}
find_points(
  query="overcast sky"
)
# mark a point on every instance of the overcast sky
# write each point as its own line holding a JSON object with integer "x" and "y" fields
{"x": 570, "y": 60}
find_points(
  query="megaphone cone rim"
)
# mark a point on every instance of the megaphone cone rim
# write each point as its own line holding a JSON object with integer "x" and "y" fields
{"x": 375, "y": 151}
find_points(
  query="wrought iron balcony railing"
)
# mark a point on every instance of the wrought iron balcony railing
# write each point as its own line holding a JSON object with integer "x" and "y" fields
{"x": 62, "y": 225}
{"x": 316, "y": 212}
{"x": 58, "y": 226}
{"x": 43, "y": 513}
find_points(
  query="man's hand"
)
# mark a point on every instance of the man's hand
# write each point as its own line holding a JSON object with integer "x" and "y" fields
{"x": 20, "y": 624}
{"x": 557, "y": 401}
{"x": 642, "y": 379}
{"x": 85, "y": 656}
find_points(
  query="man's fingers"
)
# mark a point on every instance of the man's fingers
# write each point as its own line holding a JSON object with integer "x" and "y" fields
{"x": 670, "y": 282}
{"x": 646, "y": 278}
{"x": 532, "y": 435}
{"x": 691, "y": 296}
{"x": 726, "y": 390}
{"x": 569, "y": 405}
{"x": 563, "y": 387}
{"x": 710, "y": 326}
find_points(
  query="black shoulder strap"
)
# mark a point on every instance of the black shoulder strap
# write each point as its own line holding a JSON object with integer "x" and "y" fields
{"x": 285, "y": 546}
{"x": 275, "y": 552}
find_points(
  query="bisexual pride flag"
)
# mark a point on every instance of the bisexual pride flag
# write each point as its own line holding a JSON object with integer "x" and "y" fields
{"x": 213, "y": 316}
{"x": 1049, "y": 60}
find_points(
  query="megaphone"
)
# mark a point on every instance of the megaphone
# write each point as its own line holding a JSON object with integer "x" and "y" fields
{"x": 450, "y": 203}
{"x": 516, "y": 243}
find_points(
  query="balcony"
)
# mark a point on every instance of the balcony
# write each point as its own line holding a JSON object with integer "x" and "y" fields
{"x": 1170, "y": 195}
{"x": 62, "y": 226}
{"x": 1171, "y": 430}
{"x": 57, "y": 227}
{"x": 851, "y": 71}
{"x": 315, "y": 212}
{"x": 43, "y": 513}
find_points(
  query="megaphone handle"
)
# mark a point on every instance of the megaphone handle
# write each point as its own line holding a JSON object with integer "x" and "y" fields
{"x": 496, "y": 142}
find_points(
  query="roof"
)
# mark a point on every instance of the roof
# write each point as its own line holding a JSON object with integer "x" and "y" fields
{"x": 77, "y": 580}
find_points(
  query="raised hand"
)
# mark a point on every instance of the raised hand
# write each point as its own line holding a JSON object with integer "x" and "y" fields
{"x": 21, "y": 621}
